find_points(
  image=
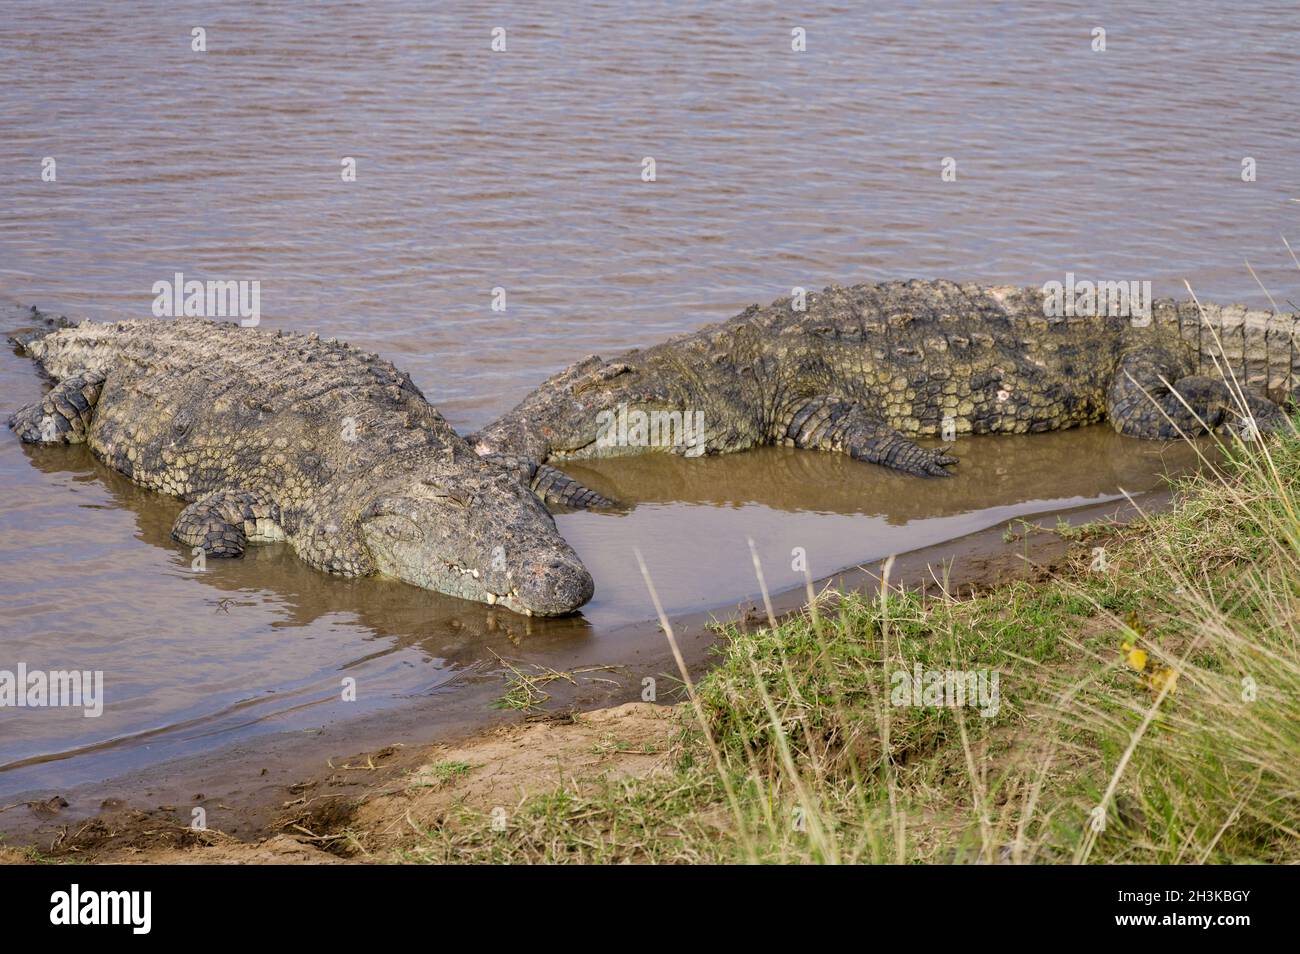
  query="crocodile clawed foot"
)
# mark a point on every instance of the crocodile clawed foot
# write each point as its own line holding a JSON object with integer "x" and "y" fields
{"x": 927, "y": 463}
{"x": 552, "y": 485}
{"x": 930, "y": 462}
{"x": 941, "y": 455}
{"x": 558, "y": 489}
{"x": 933, "y": 469}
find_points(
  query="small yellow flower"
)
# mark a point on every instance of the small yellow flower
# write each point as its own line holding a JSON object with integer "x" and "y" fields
{"x": 1161, "y": 678}
{"x": 1135, "y": 657}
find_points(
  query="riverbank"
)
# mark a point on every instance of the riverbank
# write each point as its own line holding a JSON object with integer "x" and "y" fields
{"x": 1136, "y": 700}
{"x": 244, "y": 789}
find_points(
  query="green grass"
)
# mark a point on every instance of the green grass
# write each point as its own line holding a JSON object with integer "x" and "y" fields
{"x": 447, "y": 771}
{"x": 792, "y": 750}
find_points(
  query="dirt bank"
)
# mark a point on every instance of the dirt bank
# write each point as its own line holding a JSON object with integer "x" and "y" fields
{"x": 377, "y": 815}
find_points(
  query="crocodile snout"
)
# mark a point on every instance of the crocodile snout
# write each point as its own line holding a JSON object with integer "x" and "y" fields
{"x": 554, "y": 585}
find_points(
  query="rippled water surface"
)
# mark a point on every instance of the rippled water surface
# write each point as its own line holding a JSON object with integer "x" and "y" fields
{"x": 521, "y": 170}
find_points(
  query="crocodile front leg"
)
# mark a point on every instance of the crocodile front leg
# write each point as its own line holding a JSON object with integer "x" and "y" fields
{"x": 1150, "y": 398}
{"x": 63, "y": 416}
{"x": 225, "y": 522}
{"x": 834, "y": 424}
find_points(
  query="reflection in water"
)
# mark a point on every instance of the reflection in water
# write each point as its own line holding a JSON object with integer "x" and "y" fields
{"x": 993, "y": 471}
{"x": 693, "y": 517}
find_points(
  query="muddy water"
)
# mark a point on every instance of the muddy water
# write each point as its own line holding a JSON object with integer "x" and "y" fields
{"x": 693, "y": 519}
{"x": 522, "y": 171}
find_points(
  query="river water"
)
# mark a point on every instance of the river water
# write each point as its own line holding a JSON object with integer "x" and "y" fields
{"x": 521, "y": 171}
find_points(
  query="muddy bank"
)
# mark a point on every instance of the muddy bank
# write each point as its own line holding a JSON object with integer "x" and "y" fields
{"x": 373, "y": 815}
{"x": 292, "y": 798}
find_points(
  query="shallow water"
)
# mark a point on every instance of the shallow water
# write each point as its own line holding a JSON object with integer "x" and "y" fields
{"x": 521, "y": 170}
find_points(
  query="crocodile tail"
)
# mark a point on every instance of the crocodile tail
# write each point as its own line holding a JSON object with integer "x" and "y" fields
{"x": 1257, "y": 348}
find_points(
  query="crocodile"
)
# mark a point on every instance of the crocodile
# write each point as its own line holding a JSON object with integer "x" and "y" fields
{"x": 281, "y": 436}
{"x": 867, "y": 370}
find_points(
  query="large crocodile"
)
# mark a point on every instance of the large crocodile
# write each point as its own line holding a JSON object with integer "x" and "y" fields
{"x": 286, "y": 436}
{"x": 863, "y": 370}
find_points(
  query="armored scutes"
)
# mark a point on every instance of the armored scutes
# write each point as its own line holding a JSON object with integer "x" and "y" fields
{"x": 283, "y": 436}
{"x": 863, "y": 370}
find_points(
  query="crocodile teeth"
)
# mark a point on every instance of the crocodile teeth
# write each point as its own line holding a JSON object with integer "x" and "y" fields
{"x": 491, "y": 598}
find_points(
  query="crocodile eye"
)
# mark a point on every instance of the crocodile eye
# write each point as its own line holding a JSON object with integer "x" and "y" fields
{"x": 437, "y": 490}
{"x": 434, "y": 488}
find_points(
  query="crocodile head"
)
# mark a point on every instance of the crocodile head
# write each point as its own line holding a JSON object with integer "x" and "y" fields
{"x": 573, "y": 414}
{"x": 479, "y": 536}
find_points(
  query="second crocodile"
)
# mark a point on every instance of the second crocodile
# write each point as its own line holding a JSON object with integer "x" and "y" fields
{"x": 866, "y": 369}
